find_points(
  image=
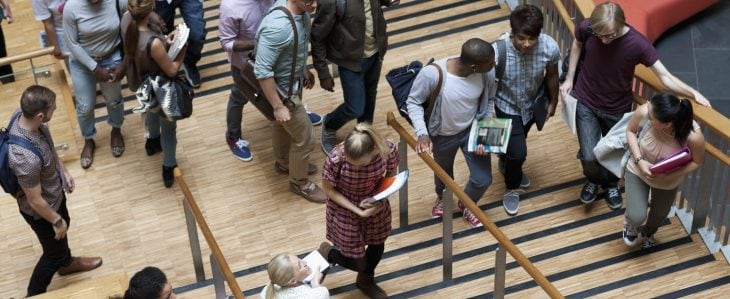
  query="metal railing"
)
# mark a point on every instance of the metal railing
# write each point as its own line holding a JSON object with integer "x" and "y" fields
{"x": 219, "y": 267}
{"x": 703, "y": 205}
{"x": 505, "y": 244}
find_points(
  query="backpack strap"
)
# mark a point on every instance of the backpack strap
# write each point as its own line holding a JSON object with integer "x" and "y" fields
{"x": 296, "y": 48}
{"x": 437, "y": 91}
{"x": 502, "y": 61}
{"x": 13, "y": 139}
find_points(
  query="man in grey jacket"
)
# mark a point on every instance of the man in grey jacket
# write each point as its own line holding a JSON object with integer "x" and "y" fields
{"x": 467, "y": 93}
{"x": 351, "y": 34}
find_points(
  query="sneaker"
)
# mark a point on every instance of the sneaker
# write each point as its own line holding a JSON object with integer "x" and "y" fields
{"x": 648, "y": 242}
{"x": 168, "y": 176}
{"x": 152, "y": 146}
{"x": 313, "y": 117}
{"x": 511, "y": 201}
{"x": 613, "y": 198}
{"x": 240, "y": 149}
{"x": 469, "y": 216}
{"x": 438, "y": 209}
{"x": 630, "y": 234}
{"x": 329, "y": 140}
{"x": 524, "y": 183}
{"x": 192, "y": 75}
{"x": 283, "y": 167}
{"x": 310, "y": 191}
{"x": 589, "y": 193}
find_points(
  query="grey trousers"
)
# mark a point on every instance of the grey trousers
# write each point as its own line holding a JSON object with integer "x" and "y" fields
{"x": 640, "y": 197}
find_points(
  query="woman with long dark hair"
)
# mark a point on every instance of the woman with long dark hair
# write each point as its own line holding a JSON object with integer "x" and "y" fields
{"x": 145, "y": 49}
{"x": 670, "y": 128}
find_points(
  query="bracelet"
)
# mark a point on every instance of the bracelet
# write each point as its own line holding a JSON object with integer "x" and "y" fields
{"x": 639, "y": 158}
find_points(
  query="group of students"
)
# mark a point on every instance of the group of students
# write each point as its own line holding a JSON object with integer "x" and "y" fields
{"x": 358, "y": 229}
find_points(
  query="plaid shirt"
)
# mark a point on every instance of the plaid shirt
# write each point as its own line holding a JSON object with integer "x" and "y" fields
{"x": 523, "y": 75}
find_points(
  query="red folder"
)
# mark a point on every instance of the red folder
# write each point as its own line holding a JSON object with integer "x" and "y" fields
{"x": 673, "y": 162}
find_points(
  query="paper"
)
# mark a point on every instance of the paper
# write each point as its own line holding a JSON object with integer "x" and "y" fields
{"x": 314, "y": 259}
{"x": 179, "y": 42}
{"x": 390, "y": 185}
{"x": 567, "y": 112}
{"x": 491, "y": 133}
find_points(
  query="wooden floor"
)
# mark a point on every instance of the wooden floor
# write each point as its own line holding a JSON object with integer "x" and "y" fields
{"x": 121, "y": 211}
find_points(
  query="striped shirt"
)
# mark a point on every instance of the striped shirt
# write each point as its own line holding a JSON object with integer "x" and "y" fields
{"x": 523, "y": 75}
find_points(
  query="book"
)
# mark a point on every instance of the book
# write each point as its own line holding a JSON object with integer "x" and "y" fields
{"x": 673, "y": 162}
{"x": 491, "y": 133}
{"x": 314, "y": 259}
{"x": 567, "y": 112}
{"x": 179, "y": 41}
{"x": 390, "y": 185}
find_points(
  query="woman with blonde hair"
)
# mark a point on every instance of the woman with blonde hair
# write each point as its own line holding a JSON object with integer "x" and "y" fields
{"x": 350, "y": 177}
{"x": 145, "y": 48}
{"x": 286, "y": 275}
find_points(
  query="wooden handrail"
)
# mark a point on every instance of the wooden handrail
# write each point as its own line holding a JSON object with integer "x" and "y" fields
{"x": 503, "y": 240}
{"x": 26, "y": 56}
{"x": 232, "y": 284}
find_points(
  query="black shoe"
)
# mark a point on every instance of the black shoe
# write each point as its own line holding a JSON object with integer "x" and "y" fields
{"x": 167, "y": 175}
{"x": 366, "y": 284}
{"x": 152, "y": 146}
{"x": 589, "y": 193}
{"x": 613, "y": 198}
{"x": 192, "y": 74}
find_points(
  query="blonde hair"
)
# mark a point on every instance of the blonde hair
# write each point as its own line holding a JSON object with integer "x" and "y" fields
{"x": 281, "y": 271}
{"x": 363, "y": 141}
{"x": 607, "y": 16}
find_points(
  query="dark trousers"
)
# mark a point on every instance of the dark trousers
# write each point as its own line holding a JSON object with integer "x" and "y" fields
{"x": 56, "y": 253}
{"x": 592, "y": 125}
{"x": 234, "y": 112}
{"x": 6, "y": 71}
{"x": 192, "y": 13}
{"x": 359, "y": 90}
{"x": 366, "y": 264}
{"x": 516, "y": 149}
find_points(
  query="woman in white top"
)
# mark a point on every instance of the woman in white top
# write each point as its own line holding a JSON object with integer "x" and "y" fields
{"x": 670, "y": 127}
{"x": 286, "y": 274}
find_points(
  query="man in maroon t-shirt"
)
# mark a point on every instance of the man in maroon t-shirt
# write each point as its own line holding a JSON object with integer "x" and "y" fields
{"x": 603, "y": 87}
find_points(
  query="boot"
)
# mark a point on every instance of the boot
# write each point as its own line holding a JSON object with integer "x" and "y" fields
{"x": 366, "y": 284}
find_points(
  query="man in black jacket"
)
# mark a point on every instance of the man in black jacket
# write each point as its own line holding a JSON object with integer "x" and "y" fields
{"x": 351, "y": 34}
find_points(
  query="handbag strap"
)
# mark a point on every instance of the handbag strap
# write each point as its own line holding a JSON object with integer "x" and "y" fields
{"x": 296, "y": 47}
{"x": 502, "y": 60}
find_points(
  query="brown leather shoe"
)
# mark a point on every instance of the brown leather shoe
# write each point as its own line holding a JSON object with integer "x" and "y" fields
{"x": 80, "y": 264}
{"x": 310, "y": 191}
{"x": 366, "y": 284}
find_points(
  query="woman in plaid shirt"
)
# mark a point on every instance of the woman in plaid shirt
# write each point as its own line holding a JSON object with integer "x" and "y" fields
{"x": 350, "y": 177}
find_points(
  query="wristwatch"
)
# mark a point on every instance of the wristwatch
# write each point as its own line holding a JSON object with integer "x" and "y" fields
{"x": 639, "y": 158}
{"x": 58, "y": 222}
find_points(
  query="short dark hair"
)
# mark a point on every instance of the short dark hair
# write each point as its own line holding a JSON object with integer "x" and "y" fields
{"x": 36, "y": 99}
{"x": 146, "y": 284}
{"x": 475, "y": 51}
{"x": 526, "y": 19}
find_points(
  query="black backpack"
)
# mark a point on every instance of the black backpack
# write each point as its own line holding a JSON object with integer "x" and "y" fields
{"x": 8, "y": 180}
{"x": 401, "y": 80}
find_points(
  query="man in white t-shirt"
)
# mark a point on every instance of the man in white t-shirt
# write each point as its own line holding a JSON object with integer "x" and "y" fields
{"x": 50, "y": 12}
{"x": 467, "y": 92}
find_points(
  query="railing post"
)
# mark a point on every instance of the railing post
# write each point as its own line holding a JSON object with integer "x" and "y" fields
{"x": 194, "y": 242}
{"x": 32, "y": 70}
{"x": 219, "y": 281}
{"x": 447, "y": 220}
{"x": 403, "y": 192}
{"x": 500, "y": 261}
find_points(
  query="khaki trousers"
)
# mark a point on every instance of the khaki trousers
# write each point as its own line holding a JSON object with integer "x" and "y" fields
{"x": 293, "y": 141}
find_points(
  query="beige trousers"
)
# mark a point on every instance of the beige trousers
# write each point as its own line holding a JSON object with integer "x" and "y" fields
{"x": 293, "y": 141}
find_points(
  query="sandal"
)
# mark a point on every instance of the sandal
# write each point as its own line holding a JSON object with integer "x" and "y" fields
{"x": 117, "y": 142}
{"x": 87, "y": 154}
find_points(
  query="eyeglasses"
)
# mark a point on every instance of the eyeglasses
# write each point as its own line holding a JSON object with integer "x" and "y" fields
{"x": 611, "y": 35}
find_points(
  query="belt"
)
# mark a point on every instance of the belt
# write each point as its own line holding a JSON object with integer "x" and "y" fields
{"x": 100, "y": 58}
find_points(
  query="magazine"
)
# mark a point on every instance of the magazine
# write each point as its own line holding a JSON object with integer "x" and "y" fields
{"x": 491, "y": 133}
{"x": 390, "y": 185}
{"x": 179, "y": 42}
{"x": 314, "y": 259}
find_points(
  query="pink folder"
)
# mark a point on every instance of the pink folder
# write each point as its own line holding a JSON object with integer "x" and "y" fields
{"x": 673, "y": 162}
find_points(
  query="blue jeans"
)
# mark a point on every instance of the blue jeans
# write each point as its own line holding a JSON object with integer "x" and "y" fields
{"x": 85, "y": 91}
{"x": 359, "y": 90}
{"x": 192, "y": 14}
{"x": 592, "y": 125}
{"x": 234, "y": 112}
{"x": 480, "y": 167}
{"x": 516, "y": 149}
{"x": 158, "y": 126}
